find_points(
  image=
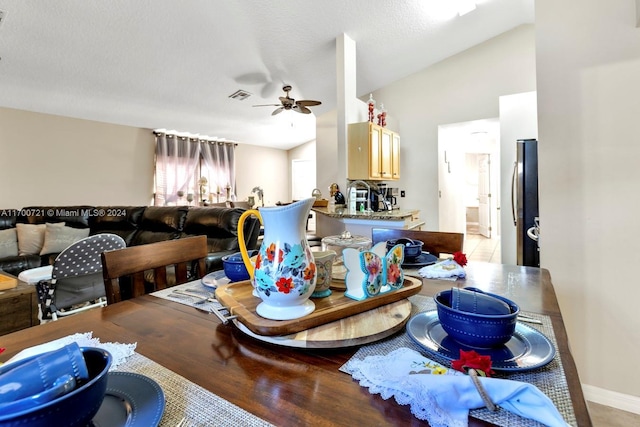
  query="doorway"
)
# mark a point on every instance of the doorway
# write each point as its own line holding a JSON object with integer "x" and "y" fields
{"x": 469, "y": 173}
{"x": 303, "y": 181}
{"x": 478, "y": 193}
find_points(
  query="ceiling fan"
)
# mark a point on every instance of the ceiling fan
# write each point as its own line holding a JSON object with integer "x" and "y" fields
{"x": 288, "y": 103}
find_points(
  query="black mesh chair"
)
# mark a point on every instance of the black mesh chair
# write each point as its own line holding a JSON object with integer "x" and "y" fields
{"x": 76, "y": 282}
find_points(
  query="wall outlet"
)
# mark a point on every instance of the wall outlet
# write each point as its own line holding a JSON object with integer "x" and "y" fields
{"x": 401, "y": 193}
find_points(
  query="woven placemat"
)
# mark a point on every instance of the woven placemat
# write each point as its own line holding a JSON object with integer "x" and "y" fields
{"x": 196, "y": 288}
{"x": 550, "y": 379}
{"x": 185, "y": 399}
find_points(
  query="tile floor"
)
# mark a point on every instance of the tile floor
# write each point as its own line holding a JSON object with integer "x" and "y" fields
{"x": 479, "y": 248}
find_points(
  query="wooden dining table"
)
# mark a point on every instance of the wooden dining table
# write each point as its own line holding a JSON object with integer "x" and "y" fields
{"x": 288, "y": 386}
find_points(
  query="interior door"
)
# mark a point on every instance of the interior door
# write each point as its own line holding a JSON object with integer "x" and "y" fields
{"x": 484, "y": 194}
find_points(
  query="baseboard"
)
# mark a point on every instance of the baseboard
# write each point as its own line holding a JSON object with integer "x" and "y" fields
{"x": 624, "y": 402}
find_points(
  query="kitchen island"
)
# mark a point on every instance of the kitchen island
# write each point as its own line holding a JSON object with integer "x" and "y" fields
{"x": 335, "y": 221}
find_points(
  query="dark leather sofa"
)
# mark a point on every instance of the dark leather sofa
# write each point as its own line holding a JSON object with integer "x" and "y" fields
{"x": 137, "y": 225}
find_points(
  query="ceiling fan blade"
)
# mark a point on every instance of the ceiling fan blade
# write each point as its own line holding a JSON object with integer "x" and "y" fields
{"x": 308, "y": 103}
{"x": 277, "y": 111}
{"x": 266, "y": 105}
{"x": 301, "y": 109}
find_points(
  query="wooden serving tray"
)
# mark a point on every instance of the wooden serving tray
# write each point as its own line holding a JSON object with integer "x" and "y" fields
{"x": 239, "y": 300}
{"x": 364, "y": 328}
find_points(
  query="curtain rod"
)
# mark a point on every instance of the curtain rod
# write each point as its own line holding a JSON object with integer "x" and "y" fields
{"x": 191, "y": 137}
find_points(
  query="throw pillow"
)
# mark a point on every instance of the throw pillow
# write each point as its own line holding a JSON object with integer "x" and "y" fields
{"x": 58, "y": 237}
{"x": 8, "y": 243}
{"x": 30, "y": 238}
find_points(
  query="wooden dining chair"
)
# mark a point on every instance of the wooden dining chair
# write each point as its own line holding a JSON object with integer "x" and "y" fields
{"x": 435, "y": 242}
{"x": 133, "y": 262}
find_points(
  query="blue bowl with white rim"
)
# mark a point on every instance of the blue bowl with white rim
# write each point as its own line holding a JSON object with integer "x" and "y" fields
{"x": 73, "y": 409}
{"x": 234, "y": 267}
{"x": 473, "y": 327}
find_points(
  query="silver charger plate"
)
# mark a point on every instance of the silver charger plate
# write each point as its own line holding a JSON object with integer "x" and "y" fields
{"x": 215, "y": 279}
{"x": 131, "y": 400}
{"x": 528, "y": 348}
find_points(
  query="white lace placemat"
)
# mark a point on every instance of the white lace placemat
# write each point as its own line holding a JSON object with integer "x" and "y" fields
{"x": 550, "y": 379}
{"x": 188, "y": 400}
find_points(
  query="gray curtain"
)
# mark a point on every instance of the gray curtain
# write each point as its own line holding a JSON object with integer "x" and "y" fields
{"x": 177, "y": 159}
{"x": 219, "y": 167}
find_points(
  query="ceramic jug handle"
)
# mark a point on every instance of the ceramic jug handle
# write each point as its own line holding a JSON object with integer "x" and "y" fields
{"x": 241, "y": 241}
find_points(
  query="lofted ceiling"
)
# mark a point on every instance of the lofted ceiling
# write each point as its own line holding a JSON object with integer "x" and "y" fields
{"x": 172, "y": 65}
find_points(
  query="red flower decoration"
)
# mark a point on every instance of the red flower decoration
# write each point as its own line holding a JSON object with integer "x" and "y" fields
{"x": 460, "y": 258}
{"x": 284, "y": 284}
{"x": 2, "y": 349}
{"x": 472, "y": 360}
{"x": 310, "y": 271}
{"x": 271, "y": 253}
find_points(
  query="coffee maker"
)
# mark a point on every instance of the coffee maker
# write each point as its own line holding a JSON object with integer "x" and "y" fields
{"x": 389, "y": 197}
{"x": 385, "y": 198}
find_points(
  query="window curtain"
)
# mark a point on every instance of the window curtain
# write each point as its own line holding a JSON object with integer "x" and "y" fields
{"x": 177, "y": 159}
{"x": 220, "y": 166}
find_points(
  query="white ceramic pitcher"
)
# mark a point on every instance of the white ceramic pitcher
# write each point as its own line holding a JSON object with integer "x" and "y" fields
{"x": 284, "y": 275}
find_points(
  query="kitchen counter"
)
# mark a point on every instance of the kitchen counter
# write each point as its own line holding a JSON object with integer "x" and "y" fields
{"x": 388, "y": 215}
{"x": 332, "y": 222}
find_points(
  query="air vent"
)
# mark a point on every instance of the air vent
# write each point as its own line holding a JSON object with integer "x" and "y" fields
{"x": 240, "y": 95}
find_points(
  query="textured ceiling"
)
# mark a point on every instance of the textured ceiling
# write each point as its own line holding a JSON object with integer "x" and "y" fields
{"x": 173, "y": 64}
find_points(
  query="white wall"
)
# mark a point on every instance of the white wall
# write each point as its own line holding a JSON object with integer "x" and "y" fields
{"x": 462, "y": 88}
{"x": 328, "y": 169}
{"x": 264, "y": 167}
{"x": 588, "y": 75}
{"x": 518, "y": 120}
{"x": 54, "y": 160}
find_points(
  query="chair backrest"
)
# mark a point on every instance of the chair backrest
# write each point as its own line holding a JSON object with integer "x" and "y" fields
{"x": 83, "y": 257}
{"x": 76, "y": 276}
{"x": 133, "y": 261}
{"x": 435, "y": 242}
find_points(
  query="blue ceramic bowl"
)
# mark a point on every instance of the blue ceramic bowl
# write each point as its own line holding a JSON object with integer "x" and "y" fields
{"x": 411, "y": 248}
{"x": 75, "y": 408}
{"x": 476, "y": 329}
{"x": 234, "y": 267}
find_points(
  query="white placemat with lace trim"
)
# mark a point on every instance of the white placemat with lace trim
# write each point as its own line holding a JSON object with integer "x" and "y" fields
{"x": 550, "y": 379}
{"x": 188, "y": 400}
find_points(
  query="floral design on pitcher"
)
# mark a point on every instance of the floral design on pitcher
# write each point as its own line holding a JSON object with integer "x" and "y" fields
{"x": 289, "y": 265}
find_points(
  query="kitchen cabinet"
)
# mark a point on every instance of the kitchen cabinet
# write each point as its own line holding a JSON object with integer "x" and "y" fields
{"x": 374, "y": 152}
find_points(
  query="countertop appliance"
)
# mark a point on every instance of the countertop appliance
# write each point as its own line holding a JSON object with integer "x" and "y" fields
{"x": 524, "y": 201}
{"x": 388, "y": 197}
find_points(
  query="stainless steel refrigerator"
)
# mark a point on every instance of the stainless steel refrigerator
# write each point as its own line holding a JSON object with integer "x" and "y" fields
{"x": 524, "y": 202}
